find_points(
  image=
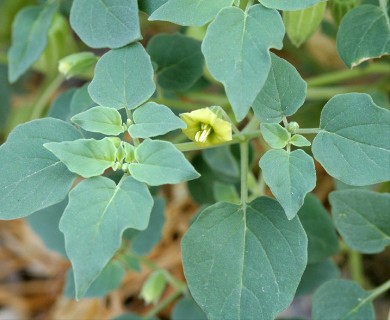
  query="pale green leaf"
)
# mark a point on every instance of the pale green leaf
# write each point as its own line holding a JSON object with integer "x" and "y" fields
{"x": 186, "y": 308}
{"x": 29, "y": 37}
{"x": 362, "y": 218}
{"x": 108, "y": 23}
{"x": 152, "y": 120}
{"x": 86, "y": 157}
{"x": 80, "y": 64}
{"x": 290, "y": 176}
{"x": 290, "y": 5}
{"x": 283, "y": 93}
{"x": 321, "y": 233}
{"x": 302, "y": 24}
{"x": 236, "y": 48}
{"x": 104, "y": 120}
{"x": 244, "y": 263}
{"x": 123, "y": 78}
{"x": 275, "y": 135}
{"x": 353, "y": 144}
{"x": 364, "y": 34}
{"x": 159, "y": 162}
{"x": 299, "y": 141}
{"x": 179, "y": 60}
{"x": 342, "y": 299}
{"x": 189, "y": 12}
{"x": 32, "y": 178}
{"x": 97, "y": 215}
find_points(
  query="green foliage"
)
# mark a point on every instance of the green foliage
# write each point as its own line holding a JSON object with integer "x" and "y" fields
{"x": 275, "y": 135}
{"x": 5, "y": 94}
{"x": 289, "y": 5}
{"x": 187, "y": 309}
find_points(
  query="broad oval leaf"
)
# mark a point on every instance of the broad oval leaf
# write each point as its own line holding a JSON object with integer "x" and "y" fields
{"x": 236, "y": 48}
{"x": 153, "y": 119}
{"x": 86, "y": 157}
{"x": 123, "y": 78}
{"x": 302, "y": 24}
{"x": 342, "y": 299}
{"x": 189, "y": 12}
{"x": 290, "y": 5}
{"x": 159, "y": 162}
{"x": 179, "y": 59}
{"x": 362, "y": 218}
{"x": 186, "y": 308}
{"x": 109, "y": 23}
{"x": 364, "y": 34}
{"x": 244, "y": 263}
{"x": 104, "y": 120}
{"x": 32, "y": 178}
{"x": 290, "y": 176}
{"x": 29, "y": 37}
{"x": 97, "y": 215}
{"x": 353, "y": 144}
{"x": 275, "y": 135}
{"x": 283, "y": 93}
{"x": 321, "y": 233}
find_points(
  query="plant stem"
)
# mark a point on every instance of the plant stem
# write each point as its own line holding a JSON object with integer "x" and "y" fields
{"x": 356, "y": 266}
{"x": 163, "y": 304}
{"x": 343, "y": 75}
{"x": 308, "y": 131}
{"x": 49, "y": 88}
{"x": 244, "y": 158}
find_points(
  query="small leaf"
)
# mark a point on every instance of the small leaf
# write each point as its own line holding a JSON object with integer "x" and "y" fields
{"x": 275, "y": 135}
{"x": 299, "y": 141}
{"x": 319, "y": 228}
{"x": 302, "y": 24}
{"x": 78, "y": 64}
{"x": 32, "y": 178}
{"x": 342, "y": 299}
{"x": 123, "y": 78}
{"x": 86, "y": 157}
{"x": 353, "y": 144}
{"x": 109, "y": 23}
{"x": 189, "y": 12}
{"x": 236, "y": 48}
{"x": 244, "y": 264}
{"x": 97, "y": 215}
{"x": 288, "y": 4}
{"x": 104, "y": 120}
{"x": 290, "y": 176}
{"x": 152, "y": 119}
{"x": 186, "y": 308}
{"x": 283, "y": 93}
{"x": 29, "y": 37}
{"x": 159, "y": 162}
{"x": 364, "y": 34}
{"x": 179, "y": 58}
{"x": 362, "y": 218}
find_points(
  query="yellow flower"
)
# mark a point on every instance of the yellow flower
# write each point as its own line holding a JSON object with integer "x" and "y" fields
{"x": 205, "y": 128}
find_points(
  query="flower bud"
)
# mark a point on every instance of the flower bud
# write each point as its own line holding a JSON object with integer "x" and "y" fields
{"x": 292, "y": 127}
{"x": 78, "y": 64}
{"x": 154, "y": 287}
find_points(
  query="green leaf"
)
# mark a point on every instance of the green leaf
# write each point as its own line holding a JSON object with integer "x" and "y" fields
{"x": 97, "y": 215}
{"x": 244, "y": 263}
{"x": 149, "y": 6}
{"x": 45, "y": 223}
{"x": 179, "y": 58}
{"x": 364, "y": 34}
{"x": 236, "y": 48}
{"x": 81, "y": 101}
{"x": 79, "y": 64}
{"x": 362, "y": 218}
{"x": 283, "y": 93}
{"x": 109, "y": 280}
{"x": 302, "y": 24}
{"x": 104, "y": 120}
{"x": 353, "y": 144}
{"x": 342, "y": 299}
{"x": 225, "y": 193}
{"x": 123, "y": 78}
{"x": 299, "y": 141}
{"x": 316, "y": 274}
{"x": 289, "y": 4}
{"x": 86, "y": 157}
{"x": 152, "y": 120}
{"x": 29, "y": 37}
{"x": 109, "y": 23}
{"x": 189, "y": 12}
{"x": 186, "y": 308}
{"x": 319, "y": 228}
{"x": 31, "y": 177}
{"x": 275, "y": 135}
{"x": 222, "y": 161}
{"x": 159, "y": 162}
{"x": 60, "y": 108}
{"x": 5, "y": 93}
{"x": 290, "y": 176}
